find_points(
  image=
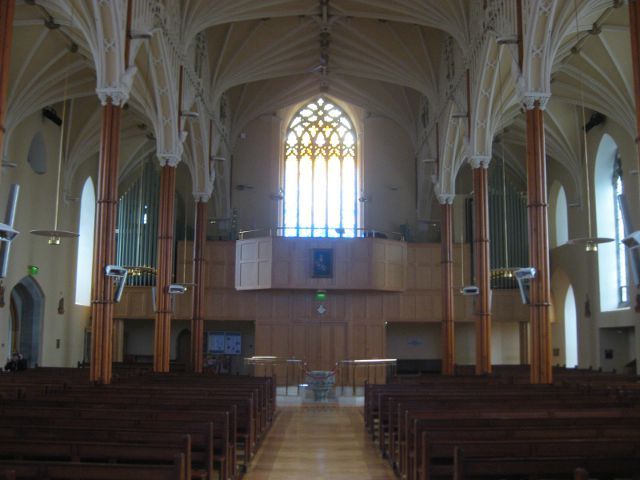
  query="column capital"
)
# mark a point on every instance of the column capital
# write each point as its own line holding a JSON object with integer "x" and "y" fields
{"x": 169, "y": 159}
{"x": 445, "y": 198}
{"x": 480, "y": 161}
{"x": 201, "y": 197}
{"x": 533, "y": 99}
{"x": 119, "y": 91}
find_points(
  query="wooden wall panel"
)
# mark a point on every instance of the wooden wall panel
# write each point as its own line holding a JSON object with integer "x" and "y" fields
{"x": 288, "y": 322}
{"x": 359, "y": 341}
{"x": 298, "y": 341}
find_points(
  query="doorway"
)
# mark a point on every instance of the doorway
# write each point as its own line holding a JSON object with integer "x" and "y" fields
{"x": 27, "y": 312}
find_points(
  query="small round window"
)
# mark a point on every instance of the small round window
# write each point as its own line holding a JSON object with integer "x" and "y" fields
{"x": 37, "y": 156}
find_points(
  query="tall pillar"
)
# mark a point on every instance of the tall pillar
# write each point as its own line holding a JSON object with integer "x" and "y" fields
{"x": 104, "y": 245}
{"x": 539, "y": 290}
{"x": 199, "y": 278}
{"x": 162, "y": 339}
{"x": 523, "y": 335}
{"x": 482, "y": 267}
{"x": 7, "y": 8}
{"x": 634, "y": 25}
{"x": 446, "y": 269}
{"x": 118, "y": 340}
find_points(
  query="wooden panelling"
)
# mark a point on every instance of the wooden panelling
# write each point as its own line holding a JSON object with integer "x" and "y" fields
{"x": 253, "y": 264}
{"x": 352, "y": 323}
{"x": 286, "y": 263}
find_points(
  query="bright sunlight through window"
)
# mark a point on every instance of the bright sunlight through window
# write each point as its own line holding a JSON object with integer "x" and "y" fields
{"x": 320, "y": 173}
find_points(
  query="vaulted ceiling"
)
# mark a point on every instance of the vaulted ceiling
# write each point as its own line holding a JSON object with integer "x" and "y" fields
{"x": 385, "y": 56}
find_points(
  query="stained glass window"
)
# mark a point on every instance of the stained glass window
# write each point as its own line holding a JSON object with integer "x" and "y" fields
{"x": 320, "y": 173}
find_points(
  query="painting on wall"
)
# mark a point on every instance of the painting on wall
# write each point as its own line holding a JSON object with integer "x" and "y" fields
{"x": 322, "y": 263}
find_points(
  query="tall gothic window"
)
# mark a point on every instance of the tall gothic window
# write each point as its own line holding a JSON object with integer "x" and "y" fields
{"x": 320, "y": 173}
{"x": 84, "y": 265}
{"x": 621, "y": 258}
{"x": 612, "y": 257}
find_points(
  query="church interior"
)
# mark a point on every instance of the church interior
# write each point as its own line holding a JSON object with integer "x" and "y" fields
{"x": 413, "y": 197}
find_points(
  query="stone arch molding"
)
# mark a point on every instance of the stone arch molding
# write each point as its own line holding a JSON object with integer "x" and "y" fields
{"x": 539, "y": 48}
{"x": 454, "y": 149}
{"x": 496, "y": 98}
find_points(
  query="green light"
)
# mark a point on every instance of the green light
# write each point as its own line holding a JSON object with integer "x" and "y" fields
{"x": 321, "y": 295}
{"x": 32, "y": 269}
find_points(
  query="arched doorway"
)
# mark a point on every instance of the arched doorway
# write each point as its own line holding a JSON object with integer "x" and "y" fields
{"x": 27, "y": 299}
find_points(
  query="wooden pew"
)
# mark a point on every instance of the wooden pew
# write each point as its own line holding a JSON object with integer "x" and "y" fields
{"x": 28, "y": 470}
{"x": 608, "y": 459}
{"x": 412, "y": 423}
{"x": 62, "y": 450}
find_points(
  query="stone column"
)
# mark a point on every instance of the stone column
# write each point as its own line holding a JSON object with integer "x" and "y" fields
{"x": 446, "y": 269}
{"x": 480, "y": 167}
{"x": 7, "y": 8}
{"x": 162, "y": 338}
{"x": 199, "y": 278}
{"x": 104, "y": 243}
{"x": 539, "y": 291}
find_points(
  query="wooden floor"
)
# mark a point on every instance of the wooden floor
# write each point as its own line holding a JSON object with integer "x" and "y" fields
{"x": 318, "y": 442}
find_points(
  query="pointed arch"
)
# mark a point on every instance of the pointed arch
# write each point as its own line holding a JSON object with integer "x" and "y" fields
{"x": 28, "y": 298}
{"x": 84, "y": 261}
{"x": 612, "y": 261}
{"x": 320, "y": 174}
{"x": 559, "y": 226}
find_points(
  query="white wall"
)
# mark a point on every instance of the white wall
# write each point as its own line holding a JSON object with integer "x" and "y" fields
{"x": 405, "y": 341}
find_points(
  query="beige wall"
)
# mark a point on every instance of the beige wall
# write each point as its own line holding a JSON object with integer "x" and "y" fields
{"x": 581, "y": 268}
{"x": 386, "y": 165}
{"x": 57, "y": 263}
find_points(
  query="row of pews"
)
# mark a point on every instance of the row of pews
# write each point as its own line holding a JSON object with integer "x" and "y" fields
{"x": 461, "y": 427}
{"x": 54, "y": 424}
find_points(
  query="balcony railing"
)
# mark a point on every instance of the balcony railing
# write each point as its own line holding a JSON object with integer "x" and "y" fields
{"x": 319, "y": 232}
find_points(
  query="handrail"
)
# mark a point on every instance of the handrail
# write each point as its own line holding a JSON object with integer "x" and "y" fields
{"x": 339, "y": 233}
{"x": 271, "y": 361}
{"x": 350, "y": 366}
{"x": 341, "y": 370}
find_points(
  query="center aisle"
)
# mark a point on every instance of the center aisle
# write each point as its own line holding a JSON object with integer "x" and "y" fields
{"x": 319, "y": 442}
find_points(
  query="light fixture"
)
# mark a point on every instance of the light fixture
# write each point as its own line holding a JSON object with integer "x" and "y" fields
{"x": 56, "y": 235}
{"x": 189, "y": 114}
{"x": 507, "y": 40}
{"x": 590, "y": 242}
{"x": 140, "y": 35}
{"x": 279, "y": 195}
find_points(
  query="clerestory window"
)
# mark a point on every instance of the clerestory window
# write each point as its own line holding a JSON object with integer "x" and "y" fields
{"x": 320, "y": 173}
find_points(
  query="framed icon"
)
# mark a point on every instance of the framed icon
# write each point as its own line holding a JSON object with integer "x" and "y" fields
{"x": 322, "y": 263}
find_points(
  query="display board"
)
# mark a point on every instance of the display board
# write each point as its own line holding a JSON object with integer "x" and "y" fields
{"x": 229, "y": 343}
